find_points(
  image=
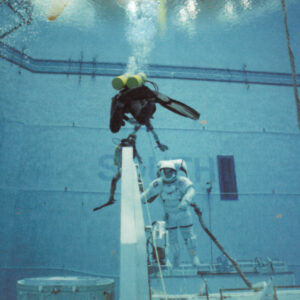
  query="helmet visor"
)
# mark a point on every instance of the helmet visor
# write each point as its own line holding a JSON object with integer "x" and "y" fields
{"x": 169, "y": 173}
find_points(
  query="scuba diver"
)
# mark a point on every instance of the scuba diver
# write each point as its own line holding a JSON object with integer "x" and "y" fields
{"x": 176, "y": 194}
{"x": 129, "y": 141}
{"x": 140, "y": 102}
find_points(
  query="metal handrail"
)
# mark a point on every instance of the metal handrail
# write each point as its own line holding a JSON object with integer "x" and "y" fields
{"x": 96, "y": 68}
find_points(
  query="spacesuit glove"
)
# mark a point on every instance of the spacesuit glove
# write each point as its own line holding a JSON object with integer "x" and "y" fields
{"x": 143, "y": 199}
{"x": 183, "y": 205}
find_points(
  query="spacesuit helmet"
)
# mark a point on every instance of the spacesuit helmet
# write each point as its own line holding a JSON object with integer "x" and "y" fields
{"x": 168, "y": 171}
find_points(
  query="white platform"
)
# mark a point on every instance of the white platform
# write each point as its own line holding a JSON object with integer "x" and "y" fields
{"x": 134, "y": 283}
{"x": 281, "y": 295}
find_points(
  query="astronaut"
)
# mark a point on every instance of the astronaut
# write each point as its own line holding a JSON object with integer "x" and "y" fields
{"x": 176, "y": 194}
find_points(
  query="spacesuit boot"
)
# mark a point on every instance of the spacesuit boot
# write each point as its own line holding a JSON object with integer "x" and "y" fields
{"x": 190, "y": 241}
{"x": 175, "y": 259}
{"x": 191, "y": 245}
{"x": 196, "y": 261}
{"x": 194, "y": 257}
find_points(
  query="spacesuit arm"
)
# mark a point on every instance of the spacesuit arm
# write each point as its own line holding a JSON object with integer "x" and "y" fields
{"x": 187, "y": 198}
{"x": 151, "y": 192}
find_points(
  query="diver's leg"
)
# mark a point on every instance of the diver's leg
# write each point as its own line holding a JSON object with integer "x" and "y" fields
{"x": 112, "y": 191}
{"x": 113, "y": 186}
{"x": 151, "y": 129}
{"x": 146, "y": 112}
{"x": 136, "y": 128}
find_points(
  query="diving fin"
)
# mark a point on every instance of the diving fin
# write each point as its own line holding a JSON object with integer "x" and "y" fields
{"x": 104, "y": 205}
{"x": 177, "y": 107}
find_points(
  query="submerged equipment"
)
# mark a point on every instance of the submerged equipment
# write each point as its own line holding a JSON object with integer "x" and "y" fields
{"x": 119, "y": 82}
{"x": 213, "y": 238}
{"x": 159, "y": 236}
{"x": 136, "y": 80}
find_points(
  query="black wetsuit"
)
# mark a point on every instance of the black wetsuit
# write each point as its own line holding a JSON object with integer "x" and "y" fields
{"x": 139, "y": 102}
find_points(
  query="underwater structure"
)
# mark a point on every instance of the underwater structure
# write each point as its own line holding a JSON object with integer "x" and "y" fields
{"x": 270, "y": 279}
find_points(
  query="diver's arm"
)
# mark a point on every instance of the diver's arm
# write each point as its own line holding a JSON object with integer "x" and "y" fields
{"x": 139, "y": 158}
{"x": 116, "y": 115}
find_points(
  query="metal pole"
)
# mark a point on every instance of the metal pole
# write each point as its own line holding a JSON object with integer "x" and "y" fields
{"x": 234, "y": 263}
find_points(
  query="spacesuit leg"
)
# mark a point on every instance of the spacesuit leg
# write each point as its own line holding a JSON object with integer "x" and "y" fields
{"x": 190, "y": 240}
{"x": 171, "y": 226}
{"x": 174, "y": 246}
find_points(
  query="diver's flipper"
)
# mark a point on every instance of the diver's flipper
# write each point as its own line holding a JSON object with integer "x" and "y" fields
{"x": 177, "y": 107}
{"x": 104, "y": 205}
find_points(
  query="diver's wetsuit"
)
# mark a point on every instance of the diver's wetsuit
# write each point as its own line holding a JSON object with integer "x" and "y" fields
{"x": 140, "y": 102}
{"x": 137, "y": 101}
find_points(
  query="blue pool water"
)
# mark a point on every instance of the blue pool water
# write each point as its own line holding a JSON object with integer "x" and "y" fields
{"x": 227, "y": 59}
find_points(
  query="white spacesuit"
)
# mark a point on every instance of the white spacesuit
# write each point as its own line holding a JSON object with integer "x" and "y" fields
{"x": 175, "y": 193}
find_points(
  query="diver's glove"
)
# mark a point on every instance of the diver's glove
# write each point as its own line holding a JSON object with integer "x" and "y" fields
{"x": 162, "y": 147}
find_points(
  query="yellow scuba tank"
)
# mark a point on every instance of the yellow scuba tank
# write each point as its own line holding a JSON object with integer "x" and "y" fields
{"x": 120, "y": 81}
{"x": 136, "y": 80}
{"x": 131, "y": 81}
